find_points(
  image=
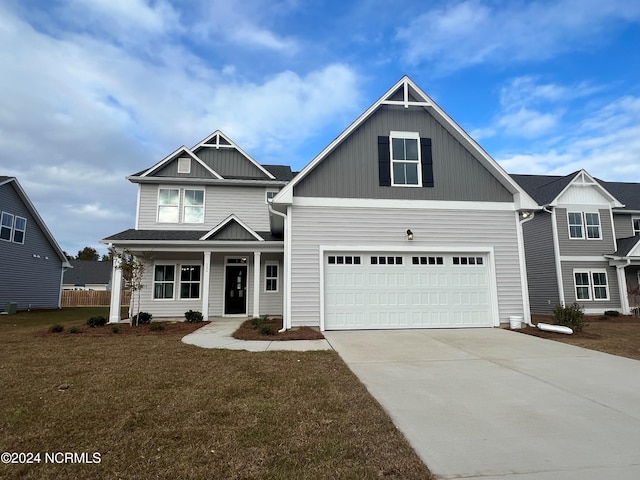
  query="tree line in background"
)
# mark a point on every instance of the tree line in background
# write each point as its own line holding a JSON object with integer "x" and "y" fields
{"x": 90, "y": 254}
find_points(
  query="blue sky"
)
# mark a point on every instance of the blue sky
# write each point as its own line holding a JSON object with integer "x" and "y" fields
{"x": 94, "y": 90}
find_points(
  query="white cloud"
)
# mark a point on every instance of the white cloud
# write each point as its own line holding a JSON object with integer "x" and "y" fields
{"x": 528, "y": 123}
{"x": 472, "y": 32}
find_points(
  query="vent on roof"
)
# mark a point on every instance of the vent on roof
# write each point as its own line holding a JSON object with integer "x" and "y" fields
{"x": 184, "y": 165}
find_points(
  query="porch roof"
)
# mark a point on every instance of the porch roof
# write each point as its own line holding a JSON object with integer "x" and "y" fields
{"x": 180, "y": 236}
{"x": 626, "y": 246}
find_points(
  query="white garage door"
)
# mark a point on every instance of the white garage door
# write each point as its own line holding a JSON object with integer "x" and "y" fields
{"x": 406, "y": 290}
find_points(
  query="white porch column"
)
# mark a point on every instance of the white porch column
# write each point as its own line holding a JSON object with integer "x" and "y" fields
{"x": 116, "y": 291}
{"x": 256, "y": 284}
{"x": 206, "y": 282}
{"x": 622, "y": 286}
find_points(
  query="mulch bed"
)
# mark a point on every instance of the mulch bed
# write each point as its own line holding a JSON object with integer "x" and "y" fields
{"x": 182, "y": 328}
{"x": 248, "y": 332}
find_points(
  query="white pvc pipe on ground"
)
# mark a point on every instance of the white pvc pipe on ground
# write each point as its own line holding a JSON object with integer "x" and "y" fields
{"x": 554, "y": 328}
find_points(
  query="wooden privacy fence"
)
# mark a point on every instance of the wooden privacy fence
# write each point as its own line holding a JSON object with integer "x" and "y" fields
{"x": 92, "y": 298}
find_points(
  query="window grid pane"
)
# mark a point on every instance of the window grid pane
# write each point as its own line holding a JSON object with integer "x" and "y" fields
{"x": 575, "y": 225}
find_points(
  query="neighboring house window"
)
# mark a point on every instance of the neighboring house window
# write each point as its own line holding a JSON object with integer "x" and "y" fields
{"x": 271, "y": 270}
{"x": 575, "y": 225}
{"x": 270, "y": 195}
{"x": 636, "y": 226}
{"x": 19, "y": 229}
{"x": 194, "y": 206}
{"x": 163, "y": 280}
{"x": 168, "y": 205}
{"x": 592, "y": 221}
{"x": 184, "y": 165}
{"x": 6, "y": 226}
{"x": 591, "y": 285}
{"x": 405, "y": 159}
{"x": 190, "y": 281}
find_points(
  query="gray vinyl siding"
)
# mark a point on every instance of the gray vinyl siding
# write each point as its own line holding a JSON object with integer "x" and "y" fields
{"x": 170, "y": 169}
{"x": 270, "y": 303}
{"x": 570, "y": 290}
{"x": 229, "y": 163}
{"x": 583, "y": 246}
{"x": 351, "y": 170}
{"x": 623, "y": 225}
{"x": 31, "y": 272}
{"x": 541, "y": 267}
{"x": 247, "y": 203}
{"x": 233, "y": 231}
{"x": 351, "y": 226}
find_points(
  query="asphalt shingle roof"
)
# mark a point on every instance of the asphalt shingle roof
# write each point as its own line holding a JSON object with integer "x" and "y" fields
{"x": 625, "y": 245}
{"x": 543, "y": 188}
{"x": 175, "y": 235}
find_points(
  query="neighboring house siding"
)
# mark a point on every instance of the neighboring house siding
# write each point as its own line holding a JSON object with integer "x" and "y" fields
{"x": 229, "y": 163}
{"x": 541, "y": 267}
{"x": 584, "y": 247}
{"x": 569, "y": 284}
{"x": 385, "y": 227}
{"x": 351, "y": 170}
{"x": 247, "y": 203}
{"x": 31, "y": 272}
{"x": 623, "y": 225}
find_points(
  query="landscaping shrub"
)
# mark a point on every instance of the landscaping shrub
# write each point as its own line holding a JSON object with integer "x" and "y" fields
{"x": 612, "y": 313}
{"x": 258, "y": 322}
{"x": 193, "y": 316}
{"x": 75, "y": 330}
{"x": 57, "y": 328}
{"x": 115, "y": 329}
{"x": 156, "y": 327}
{"x": 571, "y": 316}
{"x": 142, "y": 318}
{"x": 266, "y": 330}
{"x": 96, "y": 321}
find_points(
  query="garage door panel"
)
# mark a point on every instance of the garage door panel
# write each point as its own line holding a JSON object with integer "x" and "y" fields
{"x": 406, "y": 291}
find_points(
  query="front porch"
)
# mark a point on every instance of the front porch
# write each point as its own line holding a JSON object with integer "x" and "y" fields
{"x": 627, "y": 262}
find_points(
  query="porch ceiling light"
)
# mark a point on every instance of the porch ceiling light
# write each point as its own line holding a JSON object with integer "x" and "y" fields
{"x": 409, "y": 235}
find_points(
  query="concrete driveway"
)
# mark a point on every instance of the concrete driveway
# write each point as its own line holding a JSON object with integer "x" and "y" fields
{"x": 495, "y": 404}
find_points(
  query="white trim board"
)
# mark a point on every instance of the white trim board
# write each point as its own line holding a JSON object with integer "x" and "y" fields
{"x": 403, "y": 204}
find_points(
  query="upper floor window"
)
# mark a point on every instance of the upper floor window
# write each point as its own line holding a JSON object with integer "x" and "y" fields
{"x": 194, "y": 206}
{"x": 6, "y": 226}
{"x": 579, "y": 222}
{"x": 636, "y": 226}
{"x": 19, "y": 229}
{"x": 168, "y": 205}
{"x": 405, "y": 159}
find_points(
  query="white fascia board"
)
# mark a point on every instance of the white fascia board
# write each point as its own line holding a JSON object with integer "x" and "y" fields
{"x": 228, "y": 220}
{"x": 232, "y": 144}
{"x": 582, "y": 258}
{"x": 403, "y": 204}
{"x": 173, "y": 155}
{"x": 404, "y": 249}
{"x": 209, "y": 181}
{"x": 158, "y": 246}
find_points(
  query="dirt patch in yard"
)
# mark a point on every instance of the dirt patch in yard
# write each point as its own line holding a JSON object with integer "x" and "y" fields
{"x": 247, "y": 331}
{"x": 614, "y": 335}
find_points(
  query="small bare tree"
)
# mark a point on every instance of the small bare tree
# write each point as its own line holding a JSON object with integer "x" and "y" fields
{"x": 634, "y": 299}
{"x": 132, "y": 272}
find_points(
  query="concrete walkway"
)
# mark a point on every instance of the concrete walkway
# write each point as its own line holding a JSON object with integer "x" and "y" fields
{"x": 493, "y": 404}
{"x": 217, "y": 334}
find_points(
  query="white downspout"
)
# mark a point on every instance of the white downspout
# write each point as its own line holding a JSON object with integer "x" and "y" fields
{"x": 523, "y": 268}
{"x": 285, "y": 276}
{"x": 556, "y": 254}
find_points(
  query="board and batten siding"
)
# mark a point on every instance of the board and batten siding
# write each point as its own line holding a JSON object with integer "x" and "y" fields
{"x": 32, "y": 271}
{"x": 386, "y": 228}
{"x": 351, "y": 170}
{"x": 229, "y": 163}
{"x": 541, "y": 266}
{"x": 623, "y": 224}
{"x": 584, "y": 246}
{"x": 247, "y": 203}
{"x": 570, "y": 291}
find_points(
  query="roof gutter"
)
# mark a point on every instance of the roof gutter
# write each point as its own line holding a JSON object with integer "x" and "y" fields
{"x": 285, "y": 268}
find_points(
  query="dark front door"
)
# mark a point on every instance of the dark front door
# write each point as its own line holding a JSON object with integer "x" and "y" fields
{"x": 235, "y": 290}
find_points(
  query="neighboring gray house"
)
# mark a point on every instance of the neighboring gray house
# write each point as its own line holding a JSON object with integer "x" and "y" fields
{"x": 32, "y": 263}
{"x": 403, "y": 221}
{"x": 88, "y": 275}
{"x": 584, "y": 245}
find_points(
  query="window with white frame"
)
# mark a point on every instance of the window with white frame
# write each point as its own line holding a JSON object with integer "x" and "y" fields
{"x": 592, "y": 221}
{"x": 190, "y": 281}
{"x": 184, "y": 165}
{"x": 163, "y": 281}
{"x": 405, "y": 159}
{"x": 271, "y": 272}
{"x": 168, "y": 205}
{"x": 591, "y": 284}
{"x": 193, "y": 206}
{"x": 575, "y": 225}
{"x": 6, "y": 226}
{"x": 636, "y": 225}
{"x": 269, "y": 196}
{"x": 19, "y": 229}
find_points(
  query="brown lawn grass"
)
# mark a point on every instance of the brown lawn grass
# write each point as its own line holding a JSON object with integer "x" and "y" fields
{"x": 615, "y": 335}
{"x": 154, "y": 407}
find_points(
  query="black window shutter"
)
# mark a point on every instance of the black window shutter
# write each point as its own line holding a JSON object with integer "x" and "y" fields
{"x": 384, "y": 162}
{"x": 427, "y": 162}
